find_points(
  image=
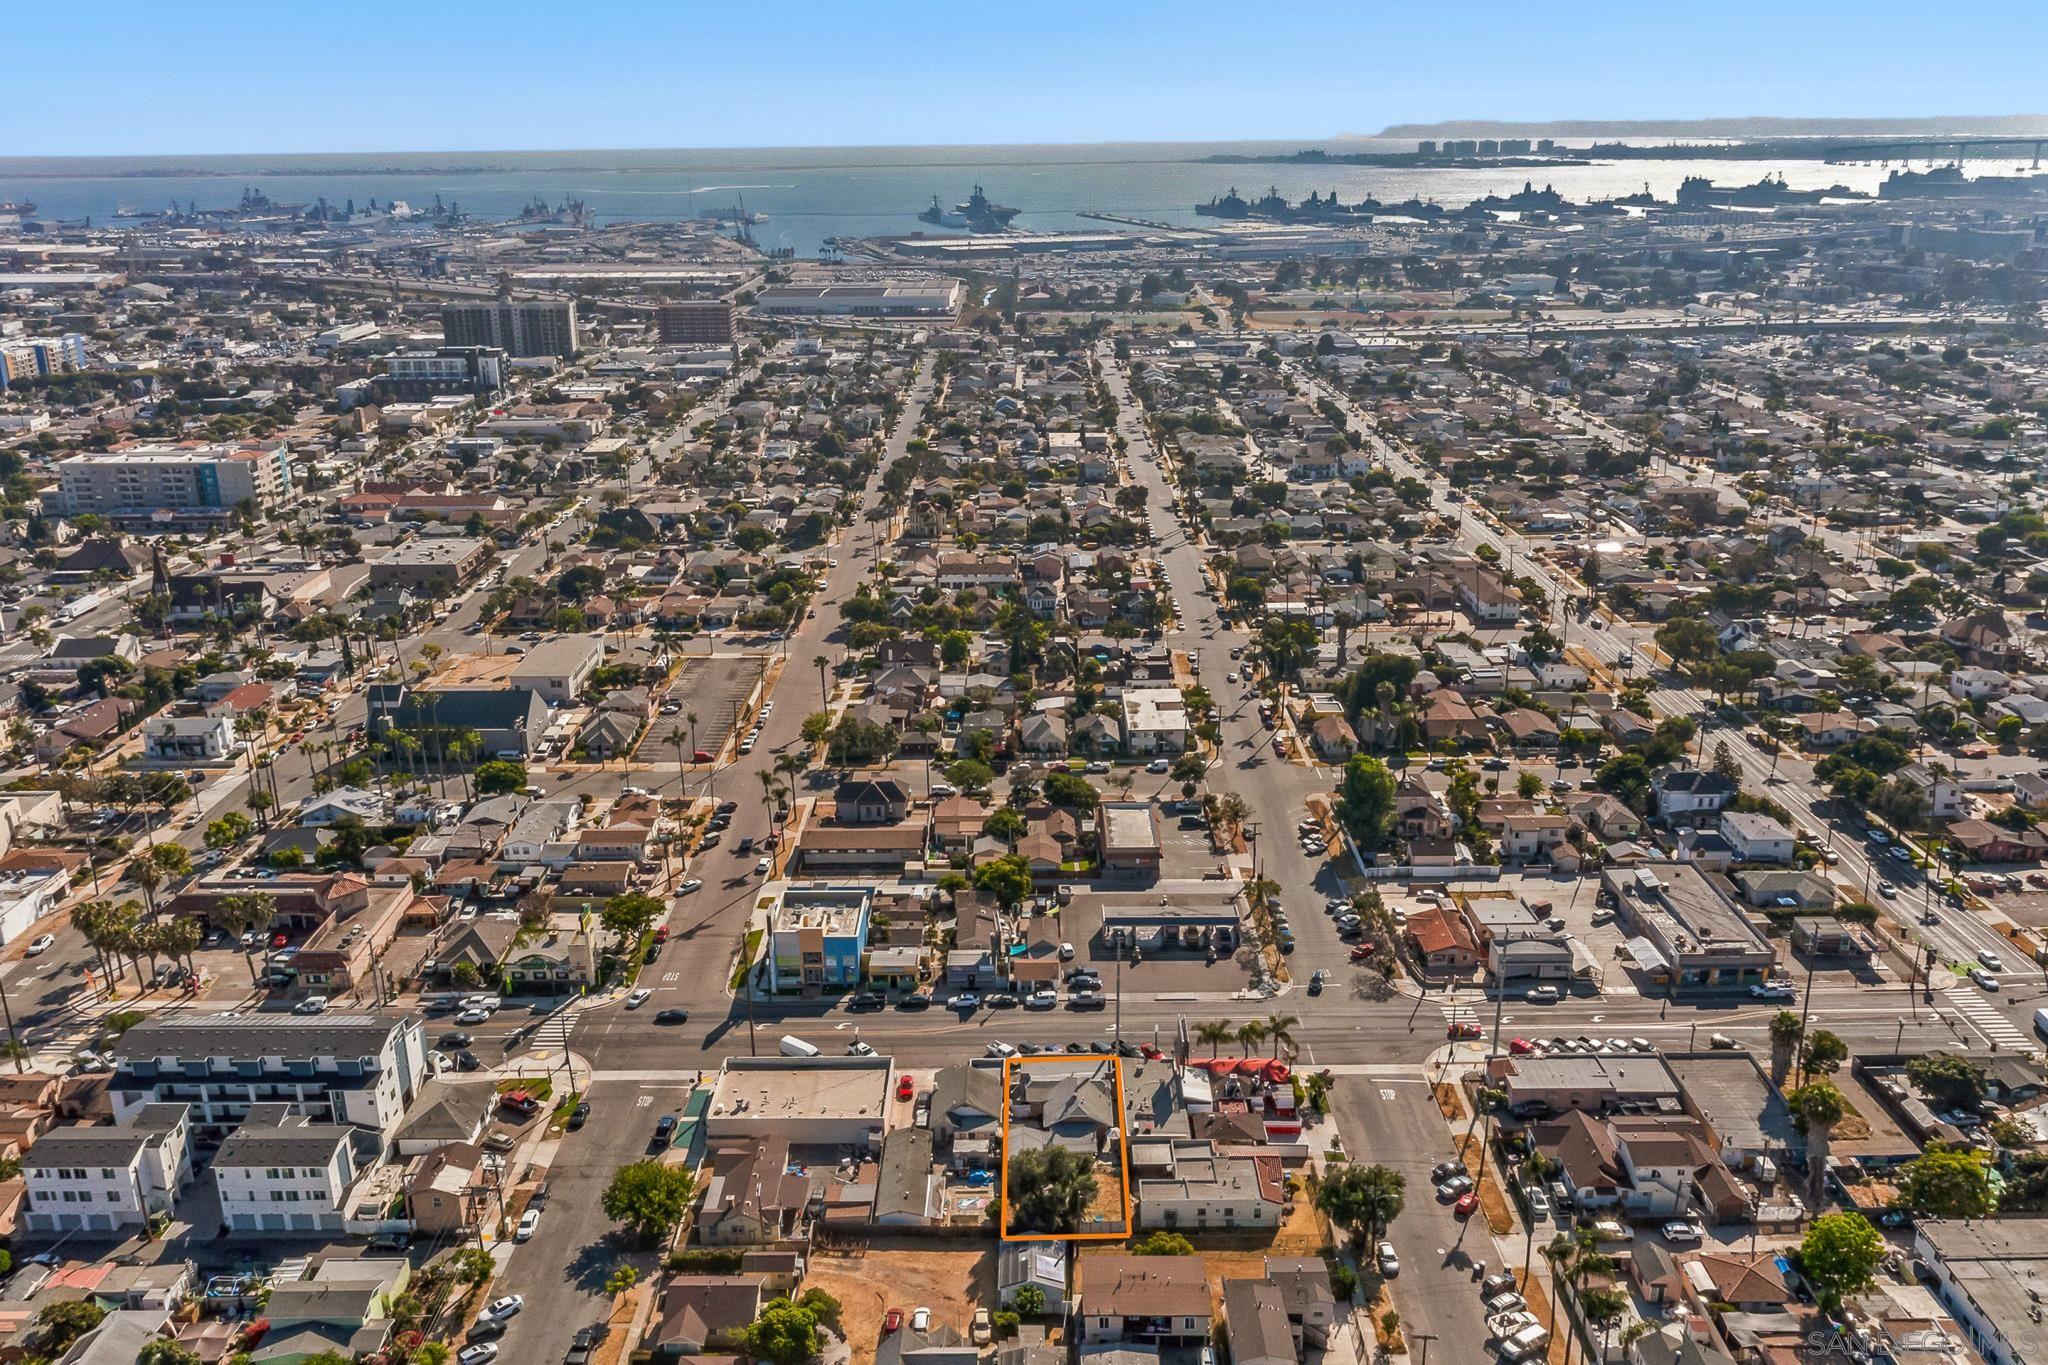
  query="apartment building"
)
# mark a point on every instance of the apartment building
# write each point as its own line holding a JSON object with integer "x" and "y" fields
{"x": 359, "y": 1069}
{"x": 280, "y": 1172}
{"x": 695, "y": 322}
{"x": 40, "y": 357}
{"x": 175, "y": 487}
{"x": 107, "y": 1179}
{"x": 443, "y": 370}
{"x": 518, "y": 327}
{"x": 188, "y": 739}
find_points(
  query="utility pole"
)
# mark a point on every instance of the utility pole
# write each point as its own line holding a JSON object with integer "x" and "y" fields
{"x": 20, "y": 1064}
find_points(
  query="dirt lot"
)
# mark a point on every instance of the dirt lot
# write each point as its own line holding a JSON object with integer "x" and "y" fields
{"x": 1492, "y": 1199}
{"x": 905, "y": 1274}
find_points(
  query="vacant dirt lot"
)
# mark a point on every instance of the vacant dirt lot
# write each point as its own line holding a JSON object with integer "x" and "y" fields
{"x": 924, "y": 1274}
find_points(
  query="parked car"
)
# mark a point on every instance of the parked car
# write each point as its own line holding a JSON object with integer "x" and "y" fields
{"x": 528, "y": 1222}
{"x": 502, "y": 1308}
{"x": 1389, "y": 1263}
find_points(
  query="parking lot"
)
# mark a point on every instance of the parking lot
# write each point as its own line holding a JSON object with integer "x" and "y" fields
{"x": 715, "y": 689}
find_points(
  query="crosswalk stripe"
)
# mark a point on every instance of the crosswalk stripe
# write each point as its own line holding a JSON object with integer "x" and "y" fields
{"x": 1986, "y": 1019}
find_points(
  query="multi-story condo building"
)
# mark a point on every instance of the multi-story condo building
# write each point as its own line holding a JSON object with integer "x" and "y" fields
{"x": 105, "y": 1180}
{"x": 171, "y": 487}
{"x": 40, "y": 357}
{"x": 283, "y": 1173}
{"x": 518, "y": 327}
{"x": 698, "y": 322}
{"x": 359, "y": 1069}
{"x": 443, "y": 370}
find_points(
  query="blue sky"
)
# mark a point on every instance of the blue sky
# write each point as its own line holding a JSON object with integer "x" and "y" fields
{"x": 123, "y": 77}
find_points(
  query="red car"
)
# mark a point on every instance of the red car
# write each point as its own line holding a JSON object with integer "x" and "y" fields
{"x": 1466, "y": 1203}
{"x": 1465, "y": 1030}
{"x": 1364, "y": 951}
{"x": 905, "y": 1088}
{"x": 1521, "y": 1047}
{"x": 661, "y": 934}
{"x": 892, "y": 1320}
{"x": 701, "y": 757}
{"x": 519, "y": 1102}
{"x": 279, "y": 940}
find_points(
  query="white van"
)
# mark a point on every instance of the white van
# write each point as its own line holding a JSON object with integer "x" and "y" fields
{"x": 793, "y": 1046}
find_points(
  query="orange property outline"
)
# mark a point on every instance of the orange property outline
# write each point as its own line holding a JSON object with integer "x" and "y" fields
{"x": 1123, "y": 1146}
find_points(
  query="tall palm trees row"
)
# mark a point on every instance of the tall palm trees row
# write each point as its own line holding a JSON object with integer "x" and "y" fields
{"x": 1277, "y": 1029}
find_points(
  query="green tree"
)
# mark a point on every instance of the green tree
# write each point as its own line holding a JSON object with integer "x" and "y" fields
{"x": 621, "y": 1279}
{"x": 970, "y": 775}
{"x": 1029, "y": 1301}
{"x": 1070, "y": 791}
{"x": 1005, "y": 823}
{"x": 1528, "y": 786}
{"x": 1824, "y": 1053}
{"x": 1951, "y": 1082}
{"x": 1008, "y": 878}
{"x": 785, "y": 1334}
{"x": 1049, "y": 1189}
{"x": 164, "y": 1351}
{"x": 498, "y": 776}
{"x": 1287, "y": 645}
{"x": 173, "y": 860}
{"x": 631, "y": 914}
{"x": 648, "y": 1198}
{"x": 1164, "y": 1244}
{"x": 227, "y": 831}
{"x": 1365, "y": 800}
{"x": 1839, "y": 1256}
{"x": 1948, "y": 1182}
{"x": 65, "y": 1322}
{"x": 1364, "y": 1200}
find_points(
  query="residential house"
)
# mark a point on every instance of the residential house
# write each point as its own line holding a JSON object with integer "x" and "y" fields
{"x": 1685, "y": 794}
{"x": 1756, "y": 838}
{"x": 1160, "y": 1301}
{"x": 870, "y": 801}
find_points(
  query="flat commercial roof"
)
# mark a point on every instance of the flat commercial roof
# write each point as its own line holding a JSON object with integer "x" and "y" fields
{"x": 1129, "y": 825}
{"x": 1734, "y": 1097}
{"x": 780, "y": 1089}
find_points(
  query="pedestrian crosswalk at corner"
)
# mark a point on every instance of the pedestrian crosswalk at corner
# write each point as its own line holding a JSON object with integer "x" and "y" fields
{"x": 553, "y": 1036}
{"x": 1984, "y": 1017}
{"x": 1459, "y": 1009}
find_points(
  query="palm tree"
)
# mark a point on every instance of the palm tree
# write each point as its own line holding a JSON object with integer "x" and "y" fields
{"x": 1816, "y": 1108}
{"x": 92, "y": 920}
{"x": 1785, "y": 1030}
{"x": 820, "y": 662}
{"x": 1235, "y": 810}
{"x": 1250, "y": 1034}
{"x": 147, "y": 875}
{"x": 1215, "y": 1033}
{"x": 1280, "y": 1029}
